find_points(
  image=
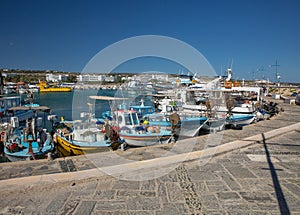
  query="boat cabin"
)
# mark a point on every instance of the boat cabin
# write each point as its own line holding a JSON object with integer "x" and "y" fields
{"x": 126, "y": 117}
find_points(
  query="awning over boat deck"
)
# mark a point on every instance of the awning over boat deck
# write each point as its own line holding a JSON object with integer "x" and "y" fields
{"x": 37, "y": 108}
{"x": 107, "y": 98}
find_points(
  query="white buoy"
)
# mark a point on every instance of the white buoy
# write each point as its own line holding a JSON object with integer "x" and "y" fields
{"x": 49, "y": 156}
{"x": 122, "y": 147}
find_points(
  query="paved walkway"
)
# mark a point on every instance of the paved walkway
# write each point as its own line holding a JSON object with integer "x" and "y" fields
{"x": 263, "y": 177}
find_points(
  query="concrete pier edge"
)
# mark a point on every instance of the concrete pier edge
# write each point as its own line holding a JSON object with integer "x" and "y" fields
{"x": 138, "y": 165}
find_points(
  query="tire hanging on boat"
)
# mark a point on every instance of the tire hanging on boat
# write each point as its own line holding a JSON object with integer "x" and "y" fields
{"x": 112, "y": 134}
{"x": 230, "y": 103}
{"x": 175, "y": 121}
{"x": 209, "y": 106}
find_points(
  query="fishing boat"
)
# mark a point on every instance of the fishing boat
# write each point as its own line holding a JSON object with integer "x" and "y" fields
{"x": 141, "y": 136}
{"x": 244, "y": 103}
{"x": 49, "y": 88}
{"x": 130, "y": 128}
{"x": 189, "y": 124}
{"x": 240, "y": 119}
{"x": 142, "y": 109}
{"x": 27, "y": 143}
{"x": 135, "y": 134}
{"x": 89, "y": 135}
{"x": 78, "y": 138}
{"x": 11, "y": 107}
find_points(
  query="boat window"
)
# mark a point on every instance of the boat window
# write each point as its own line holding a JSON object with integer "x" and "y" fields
{"x": 135, "y": 119}
{"x": 128, "y": 119}
{"x": 144, "y": 111}
{"x": 14, "y": 103}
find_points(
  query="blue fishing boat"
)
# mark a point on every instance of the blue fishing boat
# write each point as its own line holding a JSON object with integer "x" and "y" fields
{"x": 129, "y": 126}
{"x": 143, "y": 136}
{"x": 142, "y": 109}
{"x": 189, "y": 124}
{"x": 135, "y": 133}
{"x": 22, "y": 146}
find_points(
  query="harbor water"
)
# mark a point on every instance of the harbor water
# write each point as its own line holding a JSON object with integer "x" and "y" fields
{"x": 71, "y": 105}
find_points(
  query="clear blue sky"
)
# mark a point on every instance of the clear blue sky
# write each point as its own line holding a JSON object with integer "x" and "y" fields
{"x": 65, "y": 34}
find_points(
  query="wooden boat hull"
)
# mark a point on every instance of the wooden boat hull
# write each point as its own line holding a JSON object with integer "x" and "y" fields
{"x": 245, "y": 109}
{"x": 68, "y": 148}
{"x": 13, "y": 157}
{"x": 146, "y": 139}
{"x": 242, "y": 120}
{"x": 189, "y": 126}
{"x": 23, "y": 154}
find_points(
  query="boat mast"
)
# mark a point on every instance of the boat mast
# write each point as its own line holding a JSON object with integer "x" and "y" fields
{"x": 277, "y": 75}
{"x": 1, "y": 84}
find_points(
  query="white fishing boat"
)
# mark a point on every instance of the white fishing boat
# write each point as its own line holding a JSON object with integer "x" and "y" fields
{"x": 240, "y": 119}
{"x": 217, "y": 96}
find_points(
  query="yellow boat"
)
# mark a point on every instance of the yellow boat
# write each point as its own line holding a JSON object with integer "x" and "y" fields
{"x": 46, "y": 88}
{"x": 72, "y": 139}
{"x": 68, "y": 148}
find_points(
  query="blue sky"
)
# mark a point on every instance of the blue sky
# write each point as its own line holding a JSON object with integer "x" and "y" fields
{"x": 64, "y": 35}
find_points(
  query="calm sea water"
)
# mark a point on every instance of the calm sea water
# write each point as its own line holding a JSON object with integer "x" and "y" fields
{"x": 70, "y": 105}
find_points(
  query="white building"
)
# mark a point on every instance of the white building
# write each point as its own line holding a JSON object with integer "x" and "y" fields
{"x": 146, "y": 77}
{"x": 55, "y": 78}
{"x": 90, "y": 78}
{"x": 110, "y": 78}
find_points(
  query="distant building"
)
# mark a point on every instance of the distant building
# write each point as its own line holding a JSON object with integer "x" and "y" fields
{"x": 91, "y": 78}
{"x": 160, "y": 77}
{"x": 55, "y": 78}
{"x": 110, "y": 78}
{"x": 146, "y": 77}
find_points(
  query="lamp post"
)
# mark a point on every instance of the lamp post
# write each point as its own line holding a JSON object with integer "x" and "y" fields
{"x": 277, "y": 75}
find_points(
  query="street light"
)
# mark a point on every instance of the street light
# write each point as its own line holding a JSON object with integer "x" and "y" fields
{"x": 277, "y": 75}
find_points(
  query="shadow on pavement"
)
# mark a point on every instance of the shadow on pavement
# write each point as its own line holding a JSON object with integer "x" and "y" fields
{"x": 284, "y": 209}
